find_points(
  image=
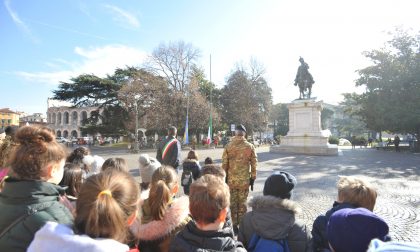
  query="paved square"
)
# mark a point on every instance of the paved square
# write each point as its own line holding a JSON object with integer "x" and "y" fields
{"x": 396, "y": 176}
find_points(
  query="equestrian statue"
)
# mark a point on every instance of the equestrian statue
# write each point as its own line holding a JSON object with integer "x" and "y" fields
{"x": 304, "y": 80}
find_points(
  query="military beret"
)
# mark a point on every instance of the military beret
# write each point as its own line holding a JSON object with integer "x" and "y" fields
{"x": 240, "y": 127}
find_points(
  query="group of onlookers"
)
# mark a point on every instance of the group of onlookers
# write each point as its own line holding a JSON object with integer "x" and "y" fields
{"x": 51, "y": 200}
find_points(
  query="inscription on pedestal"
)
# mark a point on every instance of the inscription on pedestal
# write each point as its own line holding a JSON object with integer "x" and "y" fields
{"x": 303, "y": 121}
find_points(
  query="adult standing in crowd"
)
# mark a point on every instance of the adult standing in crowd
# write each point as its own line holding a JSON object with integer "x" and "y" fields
{"x": 397, "y": 143}
{"x": 169, "y": 150}
{"x": 240, "y": 164}
{"x": 2, "y": 135}
{"x": 30, "y": 196}
{"x": 6, "y": 147}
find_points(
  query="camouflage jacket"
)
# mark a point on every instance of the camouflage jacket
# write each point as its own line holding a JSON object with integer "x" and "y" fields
{"x": 240, "y": 163}
{"x": 5, "y": 150}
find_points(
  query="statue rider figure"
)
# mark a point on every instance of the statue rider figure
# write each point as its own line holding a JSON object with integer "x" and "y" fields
{"x": 304, "y": 80}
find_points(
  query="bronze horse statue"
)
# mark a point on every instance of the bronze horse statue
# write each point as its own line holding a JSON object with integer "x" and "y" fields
{"x": 304, "y": 80}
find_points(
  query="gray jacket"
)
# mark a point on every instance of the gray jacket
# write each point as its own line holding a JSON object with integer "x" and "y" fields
{"x": 274, "y": 218}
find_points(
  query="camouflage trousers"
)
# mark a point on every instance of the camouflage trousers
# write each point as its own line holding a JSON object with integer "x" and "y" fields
{"x": 238, "y": 208}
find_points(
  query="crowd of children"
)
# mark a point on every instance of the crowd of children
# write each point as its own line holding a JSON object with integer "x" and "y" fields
{"x": 52, "y": 200}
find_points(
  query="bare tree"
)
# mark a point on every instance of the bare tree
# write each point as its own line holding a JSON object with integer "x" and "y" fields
{"x": 256, "y": 69}
{"x": 173, "y": 61}
{"x": 148, "y": 93}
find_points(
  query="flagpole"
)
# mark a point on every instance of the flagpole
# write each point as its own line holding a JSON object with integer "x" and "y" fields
{"x": 186, "y": 139}
{"x": 210, "y": 132}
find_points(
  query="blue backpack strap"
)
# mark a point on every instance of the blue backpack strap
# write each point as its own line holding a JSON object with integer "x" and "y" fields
{"x": 253, "y": 242}
{"x": 257, "y": 243}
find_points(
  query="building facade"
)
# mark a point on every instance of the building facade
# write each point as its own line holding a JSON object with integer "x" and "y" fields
{"x": 8, "y": 118}
{"x": 66, "y": 120}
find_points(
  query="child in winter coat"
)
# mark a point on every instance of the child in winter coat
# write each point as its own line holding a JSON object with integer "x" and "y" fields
{"x": 352, "y": 229}
{"x": 30, "y": 197}
{"x": 190, "y": 170}
{"x": 118, "y": 164}
{"x": 209, "y": 202}
{"x": 163, "y": 216}
{"x": 217, "y": 171}
{"x": 73, "y": 180}
{"x": 352, "y": 193}
{"x": 94, "y": 164}
{"x": 273, "y": 215}
{"x": 147, "y": 165}
{"x": 106, "y": 207}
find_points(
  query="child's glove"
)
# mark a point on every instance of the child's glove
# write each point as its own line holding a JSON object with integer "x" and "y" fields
{"x": 251, "y": 183}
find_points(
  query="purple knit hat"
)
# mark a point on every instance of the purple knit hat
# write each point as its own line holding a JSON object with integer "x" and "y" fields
{"x": 351, "y": 230}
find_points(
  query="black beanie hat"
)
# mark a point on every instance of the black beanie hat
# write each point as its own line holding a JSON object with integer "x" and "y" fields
{"x": 280, "y": 184}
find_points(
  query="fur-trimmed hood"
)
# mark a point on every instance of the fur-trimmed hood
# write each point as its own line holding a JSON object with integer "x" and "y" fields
{"x": 259, "y": 202}
{"x": 176, "y": 215}
{"x": 272, "y": 217}
{"x": 190, "y": 161}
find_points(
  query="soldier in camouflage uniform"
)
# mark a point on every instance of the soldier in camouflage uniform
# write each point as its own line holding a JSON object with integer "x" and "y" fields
{"x": 240, "y": 163}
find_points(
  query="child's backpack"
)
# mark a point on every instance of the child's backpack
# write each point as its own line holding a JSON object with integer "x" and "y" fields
{"x": 259, "y": 244}
{"x": 186, "y": 178}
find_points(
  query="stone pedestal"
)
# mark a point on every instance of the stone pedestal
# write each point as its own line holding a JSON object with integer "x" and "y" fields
{"x": 305, "y": 135}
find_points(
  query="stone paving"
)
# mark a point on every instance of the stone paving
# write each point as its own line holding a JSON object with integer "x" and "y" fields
{"x": 396, "y": 176}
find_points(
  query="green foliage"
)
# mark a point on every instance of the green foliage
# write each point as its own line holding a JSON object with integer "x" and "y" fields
{"x": 392, "y": 98}
{"x": 349, "y": 122}
{"x": 333, "y": 140}
{"x": 280, "y": 118}
{"x": 115, "y": 112}
{"x": 326, "y": 115}
{"x": 88, "y": 90}
{"x": 246, "y": 100}
{"x": 358, "y": 140}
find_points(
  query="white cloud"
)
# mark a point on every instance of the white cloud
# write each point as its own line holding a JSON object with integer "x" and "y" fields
{"x": 99, "y": 61}
{"x": 124, "y": 17}
{"x": 18, "y": 21}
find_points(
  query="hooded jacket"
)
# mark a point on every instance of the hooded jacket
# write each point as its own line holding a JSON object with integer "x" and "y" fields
{"x": 319, "y": 228}
{"x": 192, "y": 239}
{"x": 55, "y": 237}
{"x": 274, "y": 218}
{"x": 29, "y": 203}
{"x": 191, "y": 165}
{"x": 156, "y": 235}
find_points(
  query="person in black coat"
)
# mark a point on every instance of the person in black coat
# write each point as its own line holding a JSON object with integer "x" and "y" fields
{"x": 169, "y": 150}
{"x": 190, "y": 167}
{"x": 352, "y": 193}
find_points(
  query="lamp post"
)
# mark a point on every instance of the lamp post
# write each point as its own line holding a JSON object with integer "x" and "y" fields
{"x": 136, "y": 143}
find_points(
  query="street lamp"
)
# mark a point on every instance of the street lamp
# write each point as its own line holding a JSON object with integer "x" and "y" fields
{"x": 136, "y": 143}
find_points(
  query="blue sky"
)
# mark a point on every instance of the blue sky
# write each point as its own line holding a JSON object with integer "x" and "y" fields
{"x": 44, "y": 42}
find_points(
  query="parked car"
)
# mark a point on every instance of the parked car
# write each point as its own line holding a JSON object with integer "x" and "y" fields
{"x": 62, "y": 140}
{"x": 84, "y": 140}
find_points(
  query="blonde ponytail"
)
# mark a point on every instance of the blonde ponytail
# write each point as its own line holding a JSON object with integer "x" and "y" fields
{"x": 105, "y": 203}
{"x": 163, "y": 181}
